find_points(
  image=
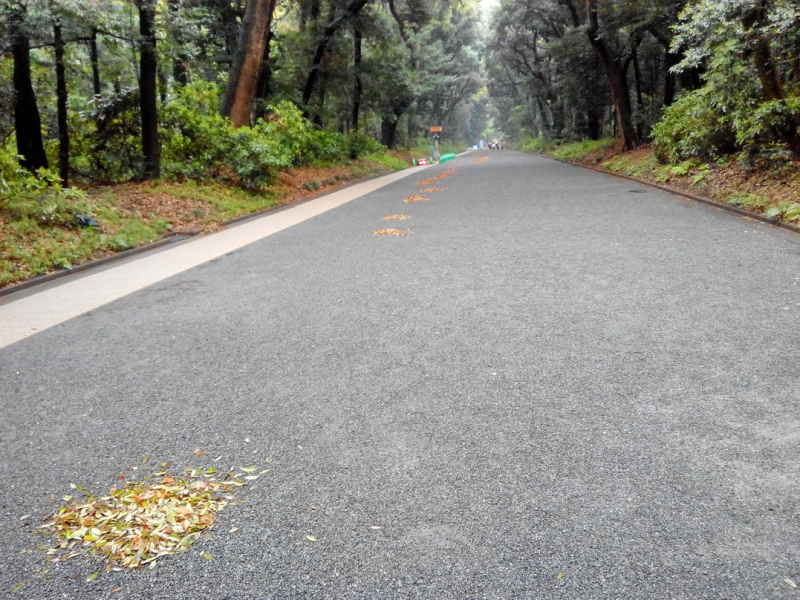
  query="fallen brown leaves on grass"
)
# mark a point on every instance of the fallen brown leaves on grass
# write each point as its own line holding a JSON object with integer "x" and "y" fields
{"x": 416, "y": 199}
{"x": 390, "y": 232}
{"x": 143, "y": 521}
{"x": 396, "y": 218}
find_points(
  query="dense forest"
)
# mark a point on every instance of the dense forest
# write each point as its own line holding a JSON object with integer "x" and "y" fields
{"x": 702, "y": 79}
{"x": 109, "y": 91}
{"x": 98, "y": 94}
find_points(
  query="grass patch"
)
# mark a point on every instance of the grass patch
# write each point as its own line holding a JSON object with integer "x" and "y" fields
{"x": 578, "y": 150}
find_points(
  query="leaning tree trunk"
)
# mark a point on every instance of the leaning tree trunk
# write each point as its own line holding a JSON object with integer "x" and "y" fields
{"x": 61, "y": 106}
{"x": 616, "y": 78}
{"x": 240, "y": 93}
{"x": 27, "y": 123}
{"x": 148, "y": 89}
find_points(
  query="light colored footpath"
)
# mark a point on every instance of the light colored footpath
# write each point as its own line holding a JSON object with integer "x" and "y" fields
{"x": 29, "y": 315}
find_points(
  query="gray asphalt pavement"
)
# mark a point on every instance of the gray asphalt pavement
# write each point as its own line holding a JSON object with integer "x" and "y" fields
{"x": 561, "y": 385}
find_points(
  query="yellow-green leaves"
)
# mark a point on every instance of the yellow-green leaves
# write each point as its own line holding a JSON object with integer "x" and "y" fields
{"x": 140, "y": 522}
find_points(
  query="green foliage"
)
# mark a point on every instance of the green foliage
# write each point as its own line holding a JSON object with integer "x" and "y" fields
{"x": 693, "y": 127}
{"x": 384, "y": 158}
{"x": 198, "y": 143}
{"x": 577, "y": 150}
{"x": 36, "y": 198}
{"x": 749, "y": 201}
{"x": 106, "y": 139}
{"x": 359, "y": 144}
{"x": 733, "y": 111}
{"x": 536, "y": 145}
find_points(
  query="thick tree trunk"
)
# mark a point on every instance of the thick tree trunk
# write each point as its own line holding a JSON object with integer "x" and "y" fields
{"x": 61, "y": 106}
{"x": 148, "y": 89}
{"x": 27, "y": 123}
{"x": 616, "y": 77}
{"x": 94, "y": 58}
{"x": 240, "y": 93}
{"x": 389, "y": 132}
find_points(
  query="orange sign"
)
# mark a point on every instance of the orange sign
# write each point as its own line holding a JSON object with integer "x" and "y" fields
{"x": 436, "y": 129}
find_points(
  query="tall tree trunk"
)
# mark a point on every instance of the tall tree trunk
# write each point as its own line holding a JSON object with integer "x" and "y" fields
{"x": 237, "y": 103}
{"x": 61, "y": 104}
{"x": 352, "y": 9}
{"x": 180, "y": 64}
{"x": 95, "y": 60}
{"x": 389, "y": 132}
{"x": 358, "y": 86}
{"x": 616, "y": 78}
{"x": 148, "y": 89}
{"x": 670, "y": 60}
{"x": 27, "y": 123}
{"x": 264, "y": 86}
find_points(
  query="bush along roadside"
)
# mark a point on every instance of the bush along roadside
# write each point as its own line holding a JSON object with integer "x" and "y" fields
{"x": 770, "y": 188}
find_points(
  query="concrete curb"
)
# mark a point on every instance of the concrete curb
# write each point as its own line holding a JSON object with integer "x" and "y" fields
{"x": 734, "y": 209}
{"x": 170, "y": 238}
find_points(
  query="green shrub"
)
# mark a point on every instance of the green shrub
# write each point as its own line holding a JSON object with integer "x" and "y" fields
{"x": 41, "y": 199}
{"x": 106, "y": 142}
{"x": 199, "y": 143}
{"x": 359, "y": 144}
{"x": 693, "y": 127}
{"x": 397, "y": 164}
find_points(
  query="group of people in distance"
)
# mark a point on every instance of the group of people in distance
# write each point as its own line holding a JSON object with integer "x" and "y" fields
{"x": 494, "y": 145}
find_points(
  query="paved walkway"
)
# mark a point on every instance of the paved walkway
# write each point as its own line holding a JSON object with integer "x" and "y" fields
{"x": 560, "y": 385}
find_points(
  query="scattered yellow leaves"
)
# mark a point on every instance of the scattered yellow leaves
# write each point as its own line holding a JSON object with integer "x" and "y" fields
{"x": 140, "y": 522}
{"x": 390, "y": 232}
{"x": 396, "y": 218}
{"x": 416, "y": 199}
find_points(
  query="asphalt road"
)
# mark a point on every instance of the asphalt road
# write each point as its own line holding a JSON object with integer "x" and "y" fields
{"x": 561, "y": 385}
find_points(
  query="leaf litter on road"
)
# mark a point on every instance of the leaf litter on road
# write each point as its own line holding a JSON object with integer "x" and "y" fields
{"x": 416, "y": 198}
{"x": 139, "y": 523}
{"x": 396, "y": 218}
{"x": 432, "y": 189}
{"x": 390, "y": 232}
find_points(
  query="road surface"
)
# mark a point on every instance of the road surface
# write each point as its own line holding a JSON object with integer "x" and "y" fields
{"x": 559, "y": 385}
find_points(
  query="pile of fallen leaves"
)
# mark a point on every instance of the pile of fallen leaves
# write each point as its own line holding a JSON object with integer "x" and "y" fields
{"x": 389, "y": 232}
{"x": 142, "y": 521}
{"x": 432, "y": 189}
{"x": 480, "y": 160}
{"x": 396, "y": 218}
{"x": 416, "y": 198}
